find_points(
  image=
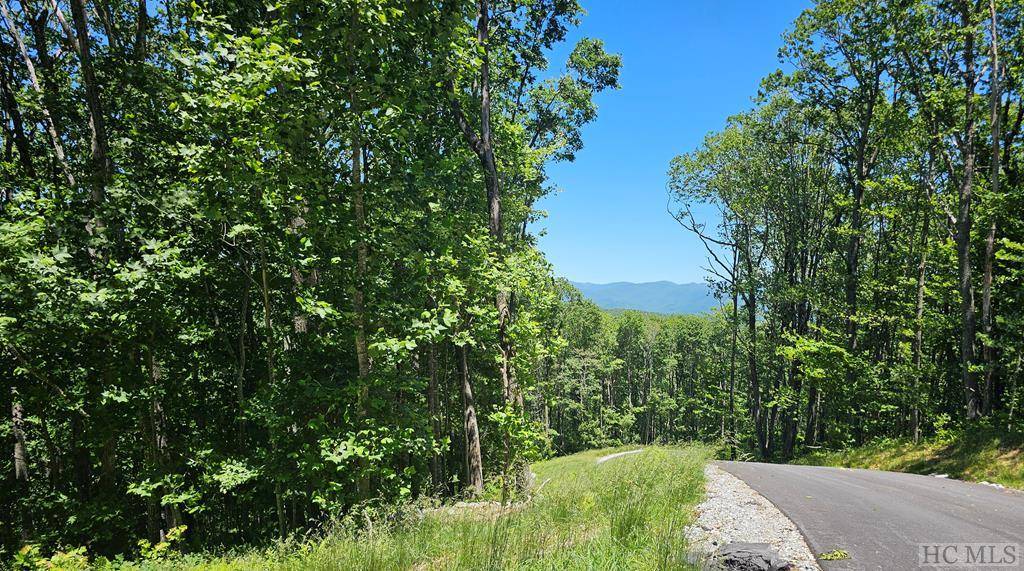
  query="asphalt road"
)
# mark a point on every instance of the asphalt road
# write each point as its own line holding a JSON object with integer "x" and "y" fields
{"x": 882, "y": 518}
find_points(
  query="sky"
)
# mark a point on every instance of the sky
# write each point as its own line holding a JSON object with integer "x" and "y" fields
{"x": 687, "y": 65}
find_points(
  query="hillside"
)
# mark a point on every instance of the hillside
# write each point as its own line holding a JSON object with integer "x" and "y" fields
{"x": 980, "y": 454}
{"x": 655, "y": 297}
{"x": 626, "y": 513}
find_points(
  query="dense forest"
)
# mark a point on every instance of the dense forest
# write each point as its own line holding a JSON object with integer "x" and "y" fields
{"x": 635, "y": 377}
{"x": 263, "y": 266}
{"x": 263, "y": 262}
{"x": 870, "y": 242}
{"x": 867, "y": 250}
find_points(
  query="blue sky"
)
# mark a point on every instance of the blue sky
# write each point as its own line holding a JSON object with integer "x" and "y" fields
{"x": 687, "y": 66}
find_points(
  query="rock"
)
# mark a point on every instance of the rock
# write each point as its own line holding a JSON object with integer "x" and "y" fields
{"x": 743, "y": 556}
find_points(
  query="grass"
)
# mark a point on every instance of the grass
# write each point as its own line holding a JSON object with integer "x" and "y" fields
{"x": 627, "y": 513}
{"x": 984, "y": 454}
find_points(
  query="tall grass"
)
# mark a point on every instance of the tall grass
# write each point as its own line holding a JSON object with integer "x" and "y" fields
{"x": 983, "y": 453}
{"x": 627, "y": 513}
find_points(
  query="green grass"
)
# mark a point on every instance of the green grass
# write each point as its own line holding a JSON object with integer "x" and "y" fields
{"x": 627, "y": 513}
{"x": 985, "y": 454}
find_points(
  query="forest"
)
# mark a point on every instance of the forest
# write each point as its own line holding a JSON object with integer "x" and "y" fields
{"x": 870, "y": 242}
{"x": 867, "y": 250}
{"x": 264, "y": 262}
{"x": 265, "y": 266}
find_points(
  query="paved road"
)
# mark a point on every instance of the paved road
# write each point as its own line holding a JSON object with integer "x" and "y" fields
{"x": 604, "y": 459}
{"x": 881, "y": 518}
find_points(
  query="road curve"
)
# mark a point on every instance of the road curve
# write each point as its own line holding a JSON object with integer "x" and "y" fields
{"x": 604, "y": 459}
{"x": 881, "y": 518}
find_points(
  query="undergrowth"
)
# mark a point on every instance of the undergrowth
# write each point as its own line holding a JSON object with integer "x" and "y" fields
{"x": 627, "y": 513}
{"x": 986, "y": 454}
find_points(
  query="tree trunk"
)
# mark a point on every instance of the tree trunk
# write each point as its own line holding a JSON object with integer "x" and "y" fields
{"x": 732, "y": 358}
{"x": 97, "y": 125}
{"x": 18, "y": 432}
{"x": 988, "y": 349}
{"x": 797, "y": 325}
{"x": 141, "y": 29}
{"x": 158, "y": 427}
{"x": 922, "y": 270}
{"x": 358, "y": 294}
{"x": 756, "y": 411}
{"x": 282, "y": 524}
{"x": 791, "y": 415}
{"x": 54, "y": 461}
{"x": 483, "y": 145}
{"x": 13, "y": 112}
{"x": 492, "y": 182}
{"x": 750, "y": 299}
{"x": 813, "y": 410}
{"x": 359, "y": 212}
{"x": 474, "y": 461}
{"x": 243, "y": 330}
{"x": 268, "y": 322}
{"x": 81, "y": 461}
{"x": 435, "y": 422}
{"x": 853, "y": 272}
{"x": 362, "y": 254}
{"x": 300, "y": 279}
{"x": 972, "y": 395}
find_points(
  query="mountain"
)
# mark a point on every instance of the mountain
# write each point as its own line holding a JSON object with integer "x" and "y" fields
{"x": 656, "y": 297}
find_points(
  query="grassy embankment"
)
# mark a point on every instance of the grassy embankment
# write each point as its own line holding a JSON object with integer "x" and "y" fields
{"x": 983, "y": 455}
{"x": 627, "y": 513}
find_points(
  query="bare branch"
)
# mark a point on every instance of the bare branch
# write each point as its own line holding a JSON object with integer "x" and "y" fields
{"x": 51, "y": 127}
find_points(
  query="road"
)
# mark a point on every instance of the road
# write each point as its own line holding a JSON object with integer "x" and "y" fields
{"x": 604, "y": 459}
{"x": 882, "y": 518}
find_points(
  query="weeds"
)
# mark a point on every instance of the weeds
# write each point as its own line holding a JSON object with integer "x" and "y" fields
{"x": 627, "y": 513}
{"x": 982, "y": 454}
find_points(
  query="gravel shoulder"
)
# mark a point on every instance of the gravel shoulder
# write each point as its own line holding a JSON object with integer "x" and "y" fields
{"x": 732, "y": 511}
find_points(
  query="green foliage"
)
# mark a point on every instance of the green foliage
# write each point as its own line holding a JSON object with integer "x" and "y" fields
{"x": 985, "y": 453}
{"x": 626, "y": 513}
{"x": 28, "y": 558}
{"x": 634, "y": 378}
{"x": 868, "y": 235}
{"x": 153, "y": 552}
{"x": 834, "y": 555}
{"x": 241, "y": 312}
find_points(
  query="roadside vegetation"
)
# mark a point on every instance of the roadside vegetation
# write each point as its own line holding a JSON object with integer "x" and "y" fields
{"x": 870, "y": 245}
{"x": 626, "y": 513}
{"x": 984, "y": 455}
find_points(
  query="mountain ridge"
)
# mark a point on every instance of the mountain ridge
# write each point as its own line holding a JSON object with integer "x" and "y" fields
{"x": 656, "y": 297}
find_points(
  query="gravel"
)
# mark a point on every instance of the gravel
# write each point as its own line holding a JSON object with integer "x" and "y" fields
{"x": 732, "y": 511}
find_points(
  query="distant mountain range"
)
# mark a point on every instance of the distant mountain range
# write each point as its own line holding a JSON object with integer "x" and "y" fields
{"x": 655, "y": 297}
